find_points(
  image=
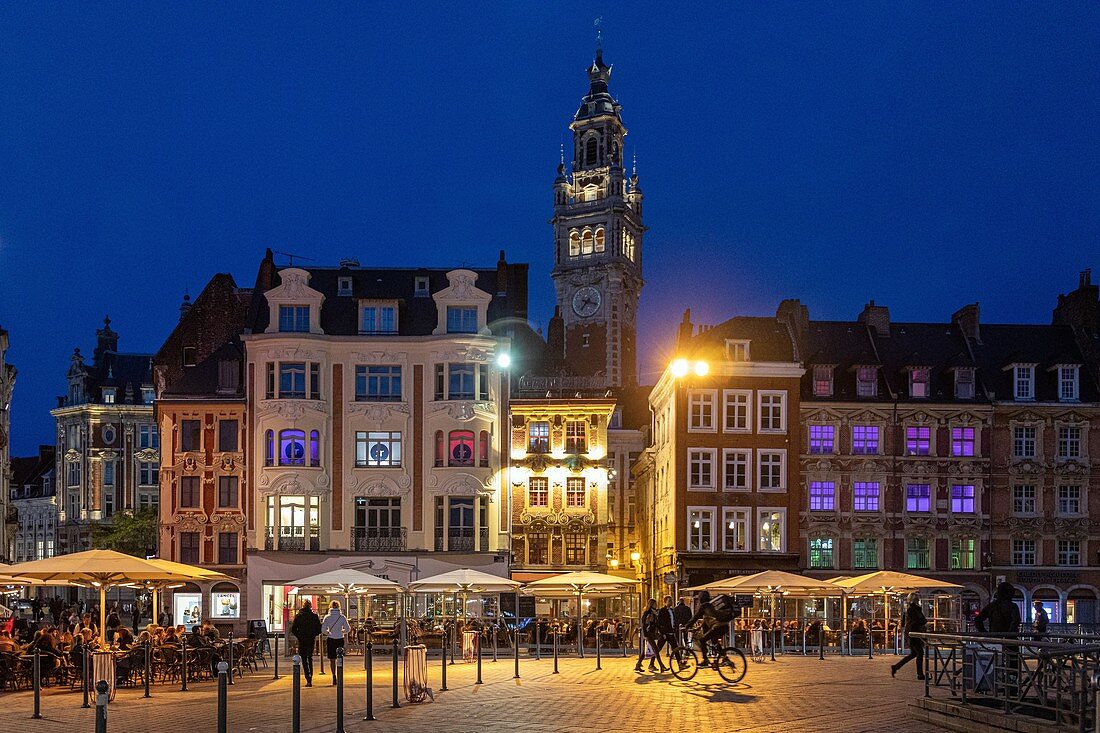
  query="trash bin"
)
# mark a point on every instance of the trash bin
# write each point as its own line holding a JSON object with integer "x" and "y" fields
{"x": 469, "y": 645}
{"x": 416, "y": 673}
{"x": 979, "y": 669}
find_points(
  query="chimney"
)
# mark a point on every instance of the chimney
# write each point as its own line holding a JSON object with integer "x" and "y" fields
{"x": 966, "y": 318}
{"x": 1080, "y": 308}
{"x": 555, "y": 337}
{"x": 683, "y": 335}
{"x": 106, "y": 340}
{"x": 502, "y": 276}
{"x": 795, "y": 315}
{"x": 265, "y": 277}
{"x": 877, "y": 317}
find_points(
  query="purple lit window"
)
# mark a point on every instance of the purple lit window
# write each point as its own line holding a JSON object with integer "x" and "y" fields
{"x": 962, "y": 441}
{"x": 962, "y": 499}
{"x": 292, "y": 448}
{"x": 865, "y": 440}
{"x": 918, "y": 498}
{"x": 918, "y": 441}
{"x": 865, "y": 496}
{"x": 821, "y": 439}
{"x": 822, "y": 496}
{"x": 314, "y": 449}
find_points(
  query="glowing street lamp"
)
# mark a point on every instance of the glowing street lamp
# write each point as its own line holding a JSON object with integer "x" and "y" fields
{"x": 504, "y": 360}
{"x": 682, "y": 367}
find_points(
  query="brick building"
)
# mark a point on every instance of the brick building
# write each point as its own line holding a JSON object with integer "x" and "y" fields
{"x": 9, "y": 521}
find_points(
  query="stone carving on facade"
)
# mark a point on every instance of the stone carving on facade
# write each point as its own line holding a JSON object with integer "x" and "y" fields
{"x": 464, "y": 484}
{"x": 922, "y": 527}
{"x": 290, "y": 484}
{"x": 1070, "y": 468}
{"x": 227, "y": 520}
{"x": 820, "y": 464}
{"x": 291, "y": 409}
{"x": 1024, "y": 527}
{"x": 72, "y": 455}
{"x": 1076, "y": 528}
{"x": 560, "y": 519}
{"x": 228, "y": 461}
{"x": 1025, "y": 467}
{"x": 379, "y": 357}
{"x": 190, "y": 521}
{"x": 295, "y": 284}
{"x": 108, "y": 454}
{"x": 381, "y": 486}
{"x": 189, "y": 464}
{"x": 966, "y": 468}
{"x": 465, "y": 410}
{"x": 148, "y": 455}
{"x": 293, "y": 353}
{"x": 966, "y": 524}
{"x": 377, "y": 412}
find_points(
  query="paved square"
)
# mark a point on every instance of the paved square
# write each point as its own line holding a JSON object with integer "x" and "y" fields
{"x": 792, "y": 694}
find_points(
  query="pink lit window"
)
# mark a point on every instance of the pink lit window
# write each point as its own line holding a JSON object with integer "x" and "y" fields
{"x": 918, "y": 441}
{"x": 962, "y": 441}
{"x": 865, "y": 440}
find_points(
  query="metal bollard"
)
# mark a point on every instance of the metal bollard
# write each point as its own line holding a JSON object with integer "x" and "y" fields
{"x": 368, "y": 662}
{"x": 443, "y": 642}
{"x": 515, "y": 646}
{"x": 396, "y": 704}
{"x": 598, "y": 665}
{"x": 37, "y": 685}
{"x": 580, "y": 637}
{"x": 538, "y": 642}
{"x": 183, "y": 663}
{"x": 85, "y": 663}
{"x": 230, "y": 657}
{"x": 223, "y": 696}
{"x": 772, "y": 636}
{"x": 821, "y": 644}
{"x": 296, "y": 696}
{"x": 477, "y": 640}
{"x": 870, "y": 642}
{"x": 275, "y": 656}
{"x": 101, "y": 706}
{"x": 494, "y": 642}
{"x": 803, "y": 640}
{"x": 555, "y": 653}
{"x": 451, "y": 640}
{"x": 148, "y": 665}
{"x": 316, "y": 650}
{"x": 339, "y": 690}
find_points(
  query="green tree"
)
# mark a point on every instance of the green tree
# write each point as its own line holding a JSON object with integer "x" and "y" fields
{"x": 132, "y": 532}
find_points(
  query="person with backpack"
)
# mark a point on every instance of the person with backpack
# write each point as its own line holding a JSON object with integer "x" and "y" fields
{"x": 714, "y": 616}
{"x": 306, "y": 628}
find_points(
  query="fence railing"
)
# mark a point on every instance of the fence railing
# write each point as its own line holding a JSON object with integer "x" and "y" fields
{"x": 378, "y": 539}
{"x": 1048, "y": 678}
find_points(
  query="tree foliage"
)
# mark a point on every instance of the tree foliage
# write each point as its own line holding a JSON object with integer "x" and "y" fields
{"x": 134, "y": 533}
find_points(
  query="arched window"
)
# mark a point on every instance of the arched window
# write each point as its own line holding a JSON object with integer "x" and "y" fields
{"x": 586, "y": 242}
{"x": 461, "y": 450}
{"x": 591, "y": 151}
{"x": 292, "y": 448}
{"x": 440, "y": 448}
{"x": 270, "y": 449}
{"x": 599, "y": 240}
{"x": 483, "y": 449}
{"x": 574, "y": 244}
{"x": 314, "y": 449}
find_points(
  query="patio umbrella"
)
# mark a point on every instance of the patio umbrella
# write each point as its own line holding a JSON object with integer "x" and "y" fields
{"x": 580, "y": 582}
{"x": 346, "y": 582}
{"x": 101, "y": 569}
{"x": 464, "y": 581}
{"x": 773, "y": 581}
{"x": 887, "y": 582}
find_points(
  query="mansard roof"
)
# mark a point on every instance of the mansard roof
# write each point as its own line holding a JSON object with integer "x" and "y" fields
{"x": 28, "y": 473}
{"x": 770, "y": 341}
{"x": 1045, "y": 346}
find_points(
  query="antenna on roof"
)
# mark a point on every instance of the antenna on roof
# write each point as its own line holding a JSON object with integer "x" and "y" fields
{"x": 599, "y": 34}
{"x": 291, "y": 257}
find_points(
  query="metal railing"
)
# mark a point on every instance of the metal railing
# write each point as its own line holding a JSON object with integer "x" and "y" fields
{"x": 1047, "y": 678}
{"x": 378, "y": 539}
{"x": 294, "y": 544}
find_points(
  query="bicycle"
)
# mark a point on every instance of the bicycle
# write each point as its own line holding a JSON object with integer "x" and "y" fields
{"x": 729, "y": 662}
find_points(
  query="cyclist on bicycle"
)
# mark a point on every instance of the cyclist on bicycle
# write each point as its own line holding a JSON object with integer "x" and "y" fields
{"x": 713, "y": 616}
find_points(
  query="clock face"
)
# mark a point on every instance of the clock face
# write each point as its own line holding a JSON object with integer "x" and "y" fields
{"x": 586, "y": 301}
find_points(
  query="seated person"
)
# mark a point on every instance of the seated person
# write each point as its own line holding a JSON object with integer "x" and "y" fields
{"x": 210, "y": 631}
{"x": 7, "y": 644}
{"x": 124, "y": 638}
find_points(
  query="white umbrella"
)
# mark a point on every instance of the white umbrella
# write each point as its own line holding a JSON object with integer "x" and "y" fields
{"x": 580, "y": 582}
{"x": 346, "y": 582}
{"x": 464, "y": 581}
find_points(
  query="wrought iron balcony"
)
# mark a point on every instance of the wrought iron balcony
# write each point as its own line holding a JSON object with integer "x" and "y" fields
{"x": 293, "y": 544}
{"x": 378, "y": 539}
{"x": 461, "y": 539}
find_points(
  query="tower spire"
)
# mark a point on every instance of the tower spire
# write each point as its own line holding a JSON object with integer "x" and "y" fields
{"x": 599, "y": 36}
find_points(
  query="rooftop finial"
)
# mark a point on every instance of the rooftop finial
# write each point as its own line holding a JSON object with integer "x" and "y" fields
{"x": 599, "y": 36}
{"x": 634, "y": 164}
{"x": 561, "y": 153}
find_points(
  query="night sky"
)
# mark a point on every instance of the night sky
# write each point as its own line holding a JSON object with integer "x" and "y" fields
{"x": 922, "y": 154}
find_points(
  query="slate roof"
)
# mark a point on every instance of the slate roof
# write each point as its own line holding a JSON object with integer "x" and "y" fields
{"x": 28, "y": 473}
{"x": 769, "y": 338}
{"x": 1045, "y": 346}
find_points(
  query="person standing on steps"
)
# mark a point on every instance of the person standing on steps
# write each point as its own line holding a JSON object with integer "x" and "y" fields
{"x": 306, "y": 628}
{"x": 335, "y": 628}
{"x": 914, "y": 621}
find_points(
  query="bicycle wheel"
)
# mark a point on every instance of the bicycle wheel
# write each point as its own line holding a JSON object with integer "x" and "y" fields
{"x": 684, "y": 663}
{"x": 731, "y": 665}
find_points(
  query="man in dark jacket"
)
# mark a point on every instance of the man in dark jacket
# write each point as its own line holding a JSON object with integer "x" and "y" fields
{"x": 1002, "y": 613}
{"x": 650, "y": 621}
{"x": 306, "y": 628}
{"x": 914, "y": 621}
{"x": 682, "y": 615}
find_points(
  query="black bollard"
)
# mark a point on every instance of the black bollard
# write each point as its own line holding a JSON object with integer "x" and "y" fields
{"x": 148, "y": 665}
{"x": 580, "y": 634}
{"x": 230, "y": 657}
{"x": 555, "y": 635}
{"x": 275, "y": 656}
{"x": 538, "y": 640}
{"x": 37, "y": 685}
{"x": 396, "y": 704}
{"x": 821, "y": 645}
{"x": 296, "y": 697}
{"x": 477, "y": 640}
{"x": 494, "y": 642}
{"x": 339, "y": 690}
{"x": 223, "y": 696}
{"x": 319, "y": 653}
{"x": 86, "y": 665}
{"x": 515, "y": 646}
{"x": 101, "y": 706}
{"x": 183, "y": 662}
{"x": 368, "y": 662}
{"x": 453, "y": 640}
{"x": 598, "y": 660}
{"x": 443, "y": 641}
{"x": 772, "y": 636}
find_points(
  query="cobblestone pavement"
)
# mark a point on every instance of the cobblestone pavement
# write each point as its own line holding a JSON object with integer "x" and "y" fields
{"x": 792, "y": 694}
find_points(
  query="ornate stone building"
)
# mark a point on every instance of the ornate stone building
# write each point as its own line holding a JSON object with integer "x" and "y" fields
{"x": 34, "y": 498}
{"x": 8, "y": 520}
{"x": 107, "y": 456}
{"x": 201, "y": 416}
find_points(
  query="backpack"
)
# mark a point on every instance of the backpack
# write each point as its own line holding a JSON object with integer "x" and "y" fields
{"x": 723, "y": 608}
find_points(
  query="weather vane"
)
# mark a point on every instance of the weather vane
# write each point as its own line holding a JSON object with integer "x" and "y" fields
{"x": 599, "y": 33}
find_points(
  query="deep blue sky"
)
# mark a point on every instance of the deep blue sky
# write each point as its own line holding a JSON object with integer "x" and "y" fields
{"x": 923, "y": 154}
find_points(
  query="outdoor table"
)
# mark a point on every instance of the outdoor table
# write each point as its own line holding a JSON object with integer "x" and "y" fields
{"x": 469, "y": 645}
{"x": 103, "y": 668}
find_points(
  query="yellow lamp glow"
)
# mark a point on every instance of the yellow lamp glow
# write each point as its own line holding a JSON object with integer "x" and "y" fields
{"x": 614, "y": 563}
{"x": 680, "y": 367}
{"x": 701, "y": 368}
{"x": 635, "y": 556}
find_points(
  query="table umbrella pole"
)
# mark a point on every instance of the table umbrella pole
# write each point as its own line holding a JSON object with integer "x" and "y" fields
{"x": 102, "y": 613}
{"x": 156, "y": 605}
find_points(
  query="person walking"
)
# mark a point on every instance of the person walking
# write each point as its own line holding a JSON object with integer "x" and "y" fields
{"x": 914, "y": 621}
{"x": 1002, "y": 613}
{"x": 682, "y": 615}
{"x": 335, "y": 629}
{"x": 652, "y": 636}
{"x": 1042, "y": 619}
{"x": 306, "y": 628}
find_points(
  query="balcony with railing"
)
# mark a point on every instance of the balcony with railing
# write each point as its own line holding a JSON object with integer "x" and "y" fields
{"x": 293, "y": 544}
{"x": 378, "y": 539}
{"x": 462, "y": 539}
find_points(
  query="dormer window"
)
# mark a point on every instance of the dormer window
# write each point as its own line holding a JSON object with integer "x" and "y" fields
{"x": 737, "y": 350}
{"x": 190, "y": 356}
{"x": 109, "y": 394}
{"x": 823, "y": 381}
{"x": 918, "y": 382}
{"x": 964, "y": 384}
{"x": 378, "y": 319}
{"x": 147, "y": 395}
{"x": 343, "y": 286}
{"x": 420, "y": 287}
{"x": 1023, "y": 379}
{"x": 1068, "y": 390}
{"x": 294, "y": 318}
{"x": 866, "y": 381}
{"x": 461, "y": 319}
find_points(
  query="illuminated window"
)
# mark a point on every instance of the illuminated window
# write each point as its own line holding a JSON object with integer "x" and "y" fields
{"x": 538, "y": 436}
{"x": 962, "y": 441}
{"x": 587, "y": 240}
{"x": 918, "y": 498}
{"x": 918, "y": 441}
{"x": 771, "y": 530}
{"x": 822, "y": 496}
{"x": 461, "y": 451}
{"x": 293, "y": 449}
{"x": 538, "y": 548}
{"x": 576, "y": 546}
{"x": 917, "y": 554}
{"x": 962, "y": 499}
{"x": 378, "y": 449}
{"x": 865, "y": 553}
{"x": 821, "y": 439}
{"x": 700, "y": 530}
{"x": 821, "y": 553}
{"x": 865, "y": 496}
{"x": 574, "y": 244}
{"x": 918, "y": 383}
{"x": 538, "y": 491}
{"x": 864, "y": 440}
{"x": 823, "y": 381}
{"x": 574, "y": 491}
{"x": 599, "y": 244}
{"x": 963, "y": 554}
{"x": 735, "y": 530}
{"x": 576, "y": 436}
